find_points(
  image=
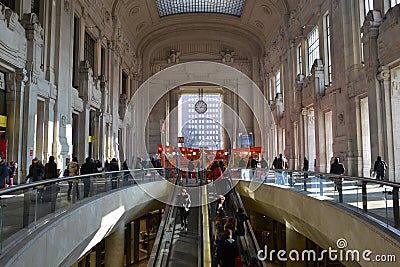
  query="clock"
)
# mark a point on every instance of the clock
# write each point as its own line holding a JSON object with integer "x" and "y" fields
{"x": 200, "y": 107}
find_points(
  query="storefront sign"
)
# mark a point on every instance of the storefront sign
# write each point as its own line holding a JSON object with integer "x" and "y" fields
{"x": 3, "y": 121}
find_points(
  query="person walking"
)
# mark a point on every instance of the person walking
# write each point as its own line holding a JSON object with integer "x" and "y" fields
{"x": 338, "y": 169}
{"x": 380, "y": 167}
{"x": 3, "y": 172}
{"x": 114, "y": 176}
{"x": 12, "y": 169}
{"x": 50, "y": 191}
{"x": 87, "y": 168}
{"x": 36, "y": 171}
{"x": 263, "y": 163}
{"x": 190, "y": 170}
{"x": 50, "y": 169}
{"x": 184, "y": 204}
{"x": 73, "y": 170}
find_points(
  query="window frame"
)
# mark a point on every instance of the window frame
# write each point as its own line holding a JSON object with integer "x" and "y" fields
{"x": 299, "y": 59}
{"x": 327, "y": 50}
{"x": 312, "y": 42}
{"x": 89, "y": 49}
{"x": 277, "y": 82}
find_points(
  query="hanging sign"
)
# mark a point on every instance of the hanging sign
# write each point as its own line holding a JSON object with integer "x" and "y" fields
{"x": 2, "y": 81}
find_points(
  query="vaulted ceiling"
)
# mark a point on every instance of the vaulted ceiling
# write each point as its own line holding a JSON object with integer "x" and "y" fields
{"x": 255, "y": 28}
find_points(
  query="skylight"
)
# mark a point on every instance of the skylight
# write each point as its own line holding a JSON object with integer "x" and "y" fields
{"x": 172, "y": 7}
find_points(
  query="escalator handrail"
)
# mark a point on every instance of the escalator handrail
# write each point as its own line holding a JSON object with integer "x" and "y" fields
{"x": 157, "y": 258}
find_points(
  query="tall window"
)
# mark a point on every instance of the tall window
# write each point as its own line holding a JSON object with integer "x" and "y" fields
{"x": 89, "y": 49}
{"x": 124, "y": 83}
{"x": 8, "y": 3}
{"x": 368, "y": 5}
{"x": 299, "y": 60}
{"x": 270, "y": 89}
{"x": 365, "y": 7}
{"x": 327, "y": 51}
{"x": 394, "y": 2}
{"x": 278, "y": 82}
{"x": 3, "y": 110}
{"x": 75, "y": 60}
{"x": 312, "y": 48}
{"x": 103, "y": 61}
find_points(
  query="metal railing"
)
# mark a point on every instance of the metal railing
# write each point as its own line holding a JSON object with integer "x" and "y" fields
{"x": 373, "y": 199}
{"x": 30, "y": 206}
{"x": 161, "y": 247}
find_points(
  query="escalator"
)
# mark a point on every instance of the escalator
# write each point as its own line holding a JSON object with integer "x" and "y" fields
{"x": 174, "y": 246}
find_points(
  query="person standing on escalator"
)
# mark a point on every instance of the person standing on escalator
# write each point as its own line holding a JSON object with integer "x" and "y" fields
{"x": 184, "y": 204}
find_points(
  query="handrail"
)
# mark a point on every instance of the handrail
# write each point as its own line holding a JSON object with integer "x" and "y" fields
{"x": 28, "y": 206}
{"x": 158, "y": 258}
{"x": 350, "y": 192}
{"x": 329, "y": 175}
{"x": 248, "y": 226}
{"x": 18, "y": 187}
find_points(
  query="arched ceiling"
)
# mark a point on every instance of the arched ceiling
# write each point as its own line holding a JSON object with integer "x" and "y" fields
{"x": 257, "y": 26}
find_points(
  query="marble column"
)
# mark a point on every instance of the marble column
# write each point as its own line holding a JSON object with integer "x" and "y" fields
{"x": 15, "y": 110}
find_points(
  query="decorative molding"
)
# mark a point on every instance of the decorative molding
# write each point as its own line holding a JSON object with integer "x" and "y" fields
{"x": 134, "y": 10}
{"x": 20, "y": 76}
{"x": 266, "y": 10}
{"x": 259, "y": 25}
{"x": 11, "y": 19}
{"x": 341, "y": 118}
{"x": 384, "y": 73}
{"x": 335, "y": 4}
{"x": 67, "y": 6}
{"x": 140, "y": 26}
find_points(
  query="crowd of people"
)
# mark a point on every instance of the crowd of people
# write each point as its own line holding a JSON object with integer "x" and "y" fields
{"x": 7, "y": 172}
{"x": 229, "y": 228}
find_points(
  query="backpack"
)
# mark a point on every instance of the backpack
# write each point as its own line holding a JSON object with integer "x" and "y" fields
{"x": 381, "y": 166}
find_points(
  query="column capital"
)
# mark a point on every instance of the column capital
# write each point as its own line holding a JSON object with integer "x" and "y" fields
{"x": 20, "y": 76}
{"x": 384, "y": 73}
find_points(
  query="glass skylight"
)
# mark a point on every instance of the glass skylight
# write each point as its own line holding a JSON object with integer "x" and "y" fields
{"x": 172, "y": 7}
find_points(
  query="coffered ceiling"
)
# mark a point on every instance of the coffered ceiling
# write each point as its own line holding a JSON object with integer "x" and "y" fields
{"x": 256, "y": 23}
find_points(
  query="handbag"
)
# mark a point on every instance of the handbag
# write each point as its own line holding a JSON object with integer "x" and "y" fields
{"x": 66, "y": 172}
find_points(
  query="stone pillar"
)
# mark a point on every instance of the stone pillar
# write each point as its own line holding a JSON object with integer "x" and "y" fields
{"x": 15, "y": 110}
{"x": 387, "y": 151}
{"x": 114, "y": 248}
{"x": 319, "y": 118}
{"x": 295, "y": 244}
{"x": 304, "y": 134}
{"x": 370, "y": 31}
{"x": 84, "y": 117}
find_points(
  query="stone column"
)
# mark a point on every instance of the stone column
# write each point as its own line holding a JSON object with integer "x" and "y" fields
{"x": 387, "y": 126}
{"x": 15, "y": 110}
{"x": 295, "y": 244}
{"x": 84, "y": 117}
{"x": 114, "y": 248}
{"x": 370, "y": 31}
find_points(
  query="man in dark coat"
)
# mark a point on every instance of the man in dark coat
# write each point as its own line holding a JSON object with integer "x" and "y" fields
{"x": 338, "y": 168}
{"x": 87, "y": 168}
{"x": 3, "y": 172}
